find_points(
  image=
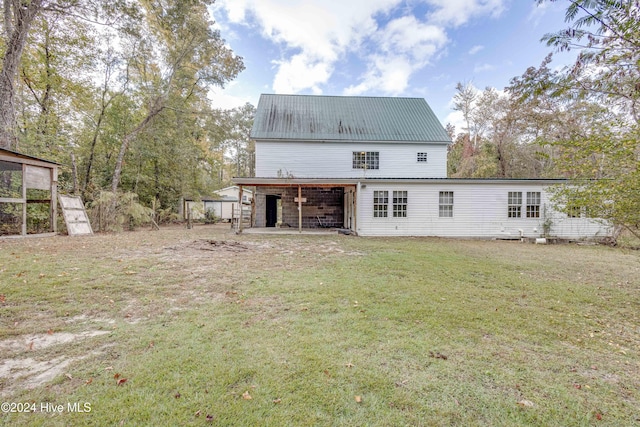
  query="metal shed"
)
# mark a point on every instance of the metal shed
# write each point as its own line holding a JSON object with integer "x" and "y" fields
{"x": 28, "y": 194}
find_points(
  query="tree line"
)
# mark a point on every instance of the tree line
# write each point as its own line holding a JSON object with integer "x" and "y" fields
{"x": 118, "y": 93}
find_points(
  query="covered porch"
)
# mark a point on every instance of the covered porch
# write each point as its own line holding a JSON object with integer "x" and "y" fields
{"x": 312, "y": 204}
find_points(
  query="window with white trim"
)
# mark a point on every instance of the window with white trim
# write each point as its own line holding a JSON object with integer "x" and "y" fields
{"x": 400, "y": 204}
{"x": 421, "y": 157}
{"x": 380, "y": 204}
{"x": 533, "y": 204}
{"x": 446, "y": 204}
{"x": 366, "y": 160}
{"x": 514, "y": 204}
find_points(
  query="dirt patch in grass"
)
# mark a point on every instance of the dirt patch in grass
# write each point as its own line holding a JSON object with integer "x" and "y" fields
{"x": 33, "y": 342}
{"x": 29, "y": 373}
{"x": 20, "y": 373}
{"x": 212, "y": 245}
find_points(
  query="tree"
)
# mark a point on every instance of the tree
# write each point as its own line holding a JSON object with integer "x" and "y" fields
{"x": 133, "y": 116}
{"x": 236, "y": 142}
{"x": 607, "y": 35}
{"x": 465, "y": 101}
{"x": 18, "y": 18}
{"x": 604, "y": 84}
{"x": 53, "y": 71}
{"x": 496, "y": 147}
{"x": 192, "y": 57}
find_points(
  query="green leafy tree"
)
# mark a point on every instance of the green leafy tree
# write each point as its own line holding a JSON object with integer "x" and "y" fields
{"x": 54, "y": 70}
{"x": 603, "y": 85}
{"x": 19, "y": 18}
{"x": 235, "y": 127}
{"x": 179, "y": 56}
{"x": 606, "y": 34}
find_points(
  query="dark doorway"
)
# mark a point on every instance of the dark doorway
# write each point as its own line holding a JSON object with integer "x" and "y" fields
{"x": 272, "y": 210}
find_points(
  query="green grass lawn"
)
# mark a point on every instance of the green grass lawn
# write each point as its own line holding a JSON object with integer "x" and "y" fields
{"x": 317, "y": 330}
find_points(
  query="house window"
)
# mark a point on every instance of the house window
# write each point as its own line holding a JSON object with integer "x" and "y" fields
{"x": 446, "y": 204}
{"x": 366, "y": 160}
{"x": 380, "y": 203}
{"x": 400, "y": 204}
{"x": 422, "y": 157}
{"x": 514, "y": 209}
{"x": 533, "y": 204}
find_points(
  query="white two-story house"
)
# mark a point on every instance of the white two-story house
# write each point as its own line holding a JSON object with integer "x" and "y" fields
{"x": 377, "y": 166}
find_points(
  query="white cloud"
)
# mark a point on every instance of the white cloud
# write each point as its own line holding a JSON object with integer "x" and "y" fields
{"x": 456, "y": 118}
{"x": 479, "y": 68}
{"x": 314, "y": 36}
{"x": 475, "y": 49}
{"x": 538, "y": 12}
{"x": 406, "y": 45}
{"x": 459, "y": 12}
{"x": 299, "y": 73}
{"x": 389, "y": 75}
{"x": 320, "y": 32}
{"x": 409, "y": 36}
{"x": 231, "y": 96}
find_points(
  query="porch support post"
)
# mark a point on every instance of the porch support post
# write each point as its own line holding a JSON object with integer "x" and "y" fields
{"x": 355, "y": 208}
{"x": 299, "y": 208}
{"x": 240, "y": 209}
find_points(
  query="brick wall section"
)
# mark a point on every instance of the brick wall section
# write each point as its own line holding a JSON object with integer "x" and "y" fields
{"x": 323, "y": 205}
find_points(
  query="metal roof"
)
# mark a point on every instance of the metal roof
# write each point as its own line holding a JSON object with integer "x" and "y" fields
{"x": 346, "y": 118}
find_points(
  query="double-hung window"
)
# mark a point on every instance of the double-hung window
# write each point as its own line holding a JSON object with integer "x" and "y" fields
{"x": 514, "y": 204}
{"x": 533, "y": 204}
{"x": 380, "y": 204}
{"x": 366, "y": 160}
{"x": 446, "y": 204}
{"x": 400, "y": 204}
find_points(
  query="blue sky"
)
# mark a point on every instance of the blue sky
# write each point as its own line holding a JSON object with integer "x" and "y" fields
{"x": 413, "y": 48}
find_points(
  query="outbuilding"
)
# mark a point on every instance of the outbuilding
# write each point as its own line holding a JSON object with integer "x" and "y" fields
{"x": 28, "y": 195}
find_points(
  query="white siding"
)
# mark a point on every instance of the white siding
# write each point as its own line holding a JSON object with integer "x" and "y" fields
{"x": 222, "y": 210}
{"x": 335, "y": 160}
{"x": 479, "y": 210}
{"x": 234, "y": 192}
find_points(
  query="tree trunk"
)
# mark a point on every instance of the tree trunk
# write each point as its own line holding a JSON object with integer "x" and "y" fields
{"x": 104, "y": 104}
{"x": 74, "y": 174}
{"x": 157, "y": 108}
{"x": 92, "y": 151}
{"x": 24, "y": 14}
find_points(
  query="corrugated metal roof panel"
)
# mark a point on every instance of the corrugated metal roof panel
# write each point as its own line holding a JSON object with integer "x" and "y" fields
{"x": 346, "y": 118}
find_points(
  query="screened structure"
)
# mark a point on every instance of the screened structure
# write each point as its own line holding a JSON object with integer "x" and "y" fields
{"x": 27, "y": 195}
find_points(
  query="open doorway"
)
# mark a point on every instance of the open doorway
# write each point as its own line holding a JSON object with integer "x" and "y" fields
{"x": 271, "y": 214}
